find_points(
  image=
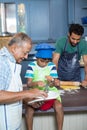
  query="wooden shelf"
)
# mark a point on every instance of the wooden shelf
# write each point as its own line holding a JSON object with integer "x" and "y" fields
{"x": 4, "y": 41}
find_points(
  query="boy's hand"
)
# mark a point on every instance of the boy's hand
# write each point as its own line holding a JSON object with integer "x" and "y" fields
{"x": 37, "y": 104}
{"x": 40, "y": 83}
{"x": 52, "y": 81}
{"x": 57, "y": 82}
{"x": 49, "y": 78}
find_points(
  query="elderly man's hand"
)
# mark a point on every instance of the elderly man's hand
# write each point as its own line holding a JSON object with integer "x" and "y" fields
{"x": 35, "y": 93}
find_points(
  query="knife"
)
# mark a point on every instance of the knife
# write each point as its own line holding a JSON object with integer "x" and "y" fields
{"x": 46, "y": 87}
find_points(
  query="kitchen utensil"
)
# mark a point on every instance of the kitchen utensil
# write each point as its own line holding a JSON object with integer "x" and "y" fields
{"x": 46, "y": 87}
{"x": 69, "y": 83}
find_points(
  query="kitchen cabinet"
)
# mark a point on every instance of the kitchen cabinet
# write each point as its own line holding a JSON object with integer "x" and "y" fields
{"x": 42, "y": 19}
{"x": 77, "y": 9}
{"x": 49, "y": 19}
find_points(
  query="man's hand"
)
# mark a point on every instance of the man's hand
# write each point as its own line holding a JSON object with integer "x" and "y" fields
{"x": 34, "y": 93}
{"x": 84, "y": 83}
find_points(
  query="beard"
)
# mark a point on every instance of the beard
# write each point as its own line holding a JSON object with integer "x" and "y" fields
{"x": 74, "y": 44}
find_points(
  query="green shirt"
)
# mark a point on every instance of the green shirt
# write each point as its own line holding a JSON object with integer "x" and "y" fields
{"x": 60, "y": 44}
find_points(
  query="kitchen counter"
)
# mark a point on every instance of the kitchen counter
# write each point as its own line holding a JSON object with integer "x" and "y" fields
{"x": 73, "y": 101}
{"x": 75, "y": 113}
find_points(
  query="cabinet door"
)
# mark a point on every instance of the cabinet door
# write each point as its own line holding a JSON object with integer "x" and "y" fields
{"x": 76, "y": 10}
{"x": 71, "y": 11}
{"x": 39, "y": 19}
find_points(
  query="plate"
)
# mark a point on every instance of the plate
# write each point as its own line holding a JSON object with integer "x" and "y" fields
{"x": 51, "y": 95}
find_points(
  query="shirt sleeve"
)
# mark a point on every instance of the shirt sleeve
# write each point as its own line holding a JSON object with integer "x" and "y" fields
{"x": 84, "y": 47}
{"x": 4, "y": 75}
{"x": 59, "y": 45}
{"x": 29, "y": 72}
{"x": 53, "y": 70}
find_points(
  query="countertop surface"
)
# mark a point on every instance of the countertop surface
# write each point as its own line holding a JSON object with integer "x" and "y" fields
{"x": 72, "y": 100}
{"x": 75, "y": 100}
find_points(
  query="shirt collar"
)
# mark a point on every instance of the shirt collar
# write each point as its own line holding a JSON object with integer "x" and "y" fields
{"x": 4, "y": 51}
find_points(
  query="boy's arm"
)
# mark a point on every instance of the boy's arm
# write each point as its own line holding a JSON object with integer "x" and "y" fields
{"x": 30, "y": 83}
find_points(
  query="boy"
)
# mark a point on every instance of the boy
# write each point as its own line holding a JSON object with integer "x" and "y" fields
{"x": 39, "y": 73}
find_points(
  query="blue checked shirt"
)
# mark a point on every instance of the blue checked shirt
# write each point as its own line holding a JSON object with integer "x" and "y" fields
{"x": 5, "y": 71}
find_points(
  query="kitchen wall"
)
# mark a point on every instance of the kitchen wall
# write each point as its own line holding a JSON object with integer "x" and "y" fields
{"x": 44, "y": 19}
{"x": 50, "y": 19}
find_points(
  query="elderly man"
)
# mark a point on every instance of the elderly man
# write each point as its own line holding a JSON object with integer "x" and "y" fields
{"x": 11, "y": 93}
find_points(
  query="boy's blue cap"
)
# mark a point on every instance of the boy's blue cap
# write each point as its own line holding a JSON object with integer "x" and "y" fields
{"x": 44, "y": 50}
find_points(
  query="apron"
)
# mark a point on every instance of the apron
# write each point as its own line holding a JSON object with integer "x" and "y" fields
{"x": 68, "y": 66}
{"x": 39, "y": 75}
{"x": 11, "y": 114}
